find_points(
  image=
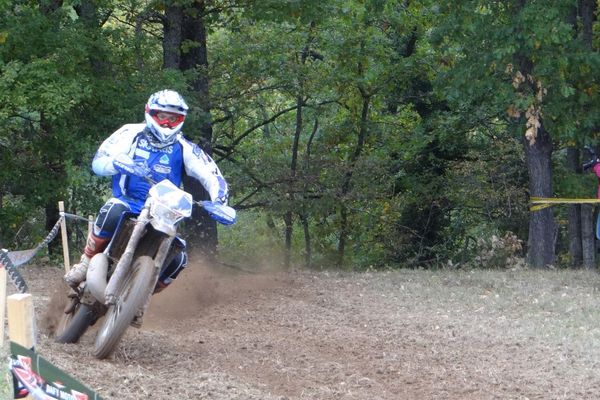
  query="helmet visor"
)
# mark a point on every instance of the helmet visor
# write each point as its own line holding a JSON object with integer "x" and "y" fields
{"x": 167, "y": 119}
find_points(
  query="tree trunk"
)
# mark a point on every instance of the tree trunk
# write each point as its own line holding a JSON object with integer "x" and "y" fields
{"x": 52, "y": 216}
{"x": 53, "y": 163}
{"x": 347, "y": 183}
{"x": 341, "y": 250}
{"x": 287, "y": 251}
{"x": 202, "y": 232}
{"x": 588, "y": 236}
{"x": 575, "y": 235}
{"x": 307, "y": 245}
{"x": 304, "y": 212}
{"x": 289, "y": 217}
{"x": 172, "y": 36}
{"x": 587, "y": 13}
{"x": 47, "y": 7}
{"x": 574, "y": 214}
{"x": 542, "y": 228}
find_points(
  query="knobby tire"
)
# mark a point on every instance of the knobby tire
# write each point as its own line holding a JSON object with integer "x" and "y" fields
{"x": 131, "y": 297}
{"x": 74, "y": 324}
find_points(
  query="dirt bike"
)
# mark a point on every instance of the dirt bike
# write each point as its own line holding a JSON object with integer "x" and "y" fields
{"x": 121, "y": 280}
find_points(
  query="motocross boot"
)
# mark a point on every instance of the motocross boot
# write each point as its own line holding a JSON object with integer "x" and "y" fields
{"x": 78, "y": 272}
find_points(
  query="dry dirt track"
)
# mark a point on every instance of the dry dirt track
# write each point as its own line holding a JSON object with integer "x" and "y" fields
{"x": 222, "y": 334}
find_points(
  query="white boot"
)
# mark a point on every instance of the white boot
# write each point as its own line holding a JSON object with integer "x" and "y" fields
{"x": 77, "y": 273}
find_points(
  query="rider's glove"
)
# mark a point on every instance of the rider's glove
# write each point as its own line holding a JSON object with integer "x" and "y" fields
{"x": 125, "y": 165}
{"x": 220, "y": 212}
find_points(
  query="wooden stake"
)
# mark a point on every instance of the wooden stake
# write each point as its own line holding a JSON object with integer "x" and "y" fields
{"x": 65, "y": 240}
{"x": 21, "y": 322}
{"x": 2, "y": 303}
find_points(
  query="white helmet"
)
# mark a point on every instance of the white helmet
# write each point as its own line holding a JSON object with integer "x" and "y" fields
{"x": 165, "y": 113}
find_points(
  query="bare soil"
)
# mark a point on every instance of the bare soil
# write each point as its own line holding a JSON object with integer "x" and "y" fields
{"x": 220, "y": 333}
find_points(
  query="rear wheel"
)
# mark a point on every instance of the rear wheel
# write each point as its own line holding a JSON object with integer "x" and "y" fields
{"x": 133, "y": 294}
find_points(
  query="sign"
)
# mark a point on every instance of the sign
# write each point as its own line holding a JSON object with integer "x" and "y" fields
{"x": 33, "y": 376}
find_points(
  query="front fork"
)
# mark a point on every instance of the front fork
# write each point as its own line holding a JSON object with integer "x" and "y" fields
{"x": 126, "y": 258}
{"x": 123, "y": 266}
{"x": 159, "y": 259}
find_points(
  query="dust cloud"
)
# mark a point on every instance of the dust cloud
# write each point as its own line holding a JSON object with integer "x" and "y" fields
{"x": 200, "y": 286}
{"x": 54, "y": 309}
{"x": 197, "y": 287}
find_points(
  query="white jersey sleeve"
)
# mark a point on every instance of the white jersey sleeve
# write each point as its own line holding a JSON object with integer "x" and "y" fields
{"x": 119, "y": 142}
{"x": 201, "y": 166}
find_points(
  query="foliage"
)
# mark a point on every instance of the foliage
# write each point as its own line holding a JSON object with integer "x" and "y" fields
{"x": 408, "y": 116}
{"x": 499, "y": 252}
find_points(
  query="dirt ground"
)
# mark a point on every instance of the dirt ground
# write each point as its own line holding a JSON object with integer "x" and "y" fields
{"x": 219, "y": 333}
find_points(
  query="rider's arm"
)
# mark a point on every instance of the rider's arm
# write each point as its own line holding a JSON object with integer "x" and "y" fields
{"x": 199, "y": 165}
{"x": 118, "y": 143}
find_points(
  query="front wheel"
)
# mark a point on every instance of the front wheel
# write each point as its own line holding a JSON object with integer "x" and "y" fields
{"x": 132, "y": 296}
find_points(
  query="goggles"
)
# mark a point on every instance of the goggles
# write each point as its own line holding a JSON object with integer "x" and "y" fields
{"x": 168, "y": 119}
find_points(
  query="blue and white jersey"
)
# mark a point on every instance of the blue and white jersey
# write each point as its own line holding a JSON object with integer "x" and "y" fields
{"x": 165, "y": 163}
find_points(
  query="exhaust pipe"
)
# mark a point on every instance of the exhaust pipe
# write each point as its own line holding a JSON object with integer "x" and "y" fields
{"x": 96, "y": 276}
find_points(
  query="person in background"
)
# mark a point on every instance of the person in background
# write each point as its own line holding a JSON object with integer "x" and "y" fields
{"x": 594, "y": 165}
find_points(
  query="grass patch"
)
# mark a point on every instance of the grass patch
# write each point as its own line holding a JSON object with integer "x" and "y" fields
{"x": 6, "y": 388}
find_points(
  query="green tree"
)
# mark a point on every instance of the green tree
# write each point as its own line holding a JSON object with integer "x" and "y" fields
{"x": 518, "y": 60}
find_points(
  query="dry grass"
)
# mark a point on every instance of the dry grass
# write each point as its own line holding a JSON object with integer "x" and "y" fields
{"x": 5, "y": 379}
{"x": 481, "y": 334}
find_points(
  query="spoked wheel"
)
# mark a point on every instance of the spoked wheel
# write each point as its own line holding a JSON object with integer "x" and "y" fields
{"x": 74, "y": 322}
{"x": 130, "y": 298}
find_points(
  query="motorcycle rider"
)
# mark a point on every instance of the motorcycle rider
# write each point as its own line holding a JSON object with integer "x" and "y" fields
{"x": 157, "y": 150}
